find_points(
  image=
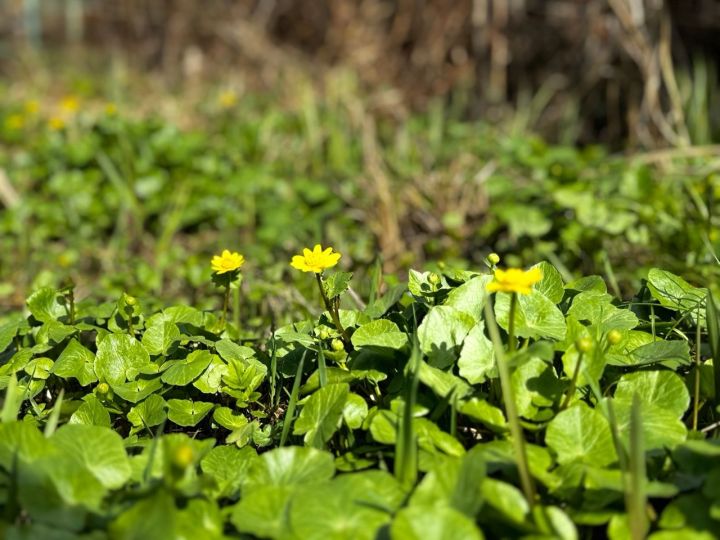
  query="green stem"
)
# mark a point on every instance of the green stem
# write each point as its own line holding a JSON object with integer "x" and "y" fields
{"x": 573, "y": 383}
{"x": 226, "y": 303}
{"x": 512, "y": 340}
{"x": 236, "y": 308}
{"x": 332, "y": 309}
{"x": 516, "y": 432}
{"x": 696, "y": 390}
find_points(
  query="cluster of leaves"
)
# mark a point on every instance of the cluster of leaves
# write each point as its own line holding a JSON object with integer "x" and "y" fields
{"x": 117, "y": 423}
{"x": 142, "y": 196}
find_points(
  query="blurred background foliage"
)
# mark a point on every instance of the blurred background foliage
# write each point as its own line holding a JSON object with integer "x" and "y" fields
{"x": 139, "y": 137}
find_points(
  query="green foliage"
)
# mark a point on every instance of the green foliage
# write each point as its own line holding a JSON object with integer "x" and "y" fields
{"x": 167, "y": 426}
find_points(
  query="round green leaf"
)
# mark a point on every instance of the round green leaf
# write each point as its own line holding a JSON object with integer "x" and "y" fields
{"x": 185, "y": 412}
{"x": 581, "y": 434}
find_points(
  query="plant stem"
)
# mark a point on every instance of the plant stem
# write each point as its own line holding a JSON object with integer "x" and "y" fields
{"x": 516, "y": 432}
{"x": 512, "y": 341}
{"x": 696, "y": 390}
{"x": 226, "y": 303}
{"x": 332, "y": 309}
{"x": 573, "y": 383}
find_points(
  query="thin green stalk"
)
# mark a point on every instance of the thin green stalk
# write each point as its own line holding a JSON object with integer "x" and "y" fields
{"x": 273, "y": 370}
{"x": 573, "y": 383}
{"x": 696, "y": 390}
{"x": 713, "y": 330}
{"x": 226, "y": 303}
{"x": 636, "y": 497}
{"x": 332, "y": 309}
{"x": 236, "y": 308}
{"x": 406, "y": 451}
{"x": 12, "y": 403}
{"x": 54, "y": 417}
{"x": 512, "y": 340}
{"x": 322, "y": 367}
{"x": 290, "y": 413}
{"x": 516, "y": 432}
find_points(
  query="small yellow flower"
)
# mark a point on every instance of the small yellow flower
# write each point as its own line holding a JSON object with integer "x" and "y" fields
{"x": 514, "y": 280}
{"x": 227, "y": 262}
{"x": 69, "y": 104}
{"x": 56, "y": 123}
{"x": 227, "y": 99}
{"x": 110, "y": 109}
{"x": 316, "y": 260}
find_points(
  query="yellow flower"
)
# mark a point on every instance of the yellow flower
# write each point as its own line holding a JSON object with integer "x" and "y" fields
{"x": 227, "y": 262}
{"x": 69, "y": 104}
{"x": 316, "y": 260}
{"x": 56, "y": 123}
{"x": 227, "y": 99}
{"x": 514, "y": 280}
{"x": 110, "y": 109}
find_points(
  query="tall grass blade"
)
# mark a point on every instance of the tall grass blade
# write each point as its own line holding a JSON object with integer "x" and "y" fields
{"x": 713, "y": 329}
{"x": 12, "y": 403}
{"x": 54, "y": 417}
{"x": 406, "y": 451}
{"x": 636, "y": 496}
{"x": 292, "y": 404}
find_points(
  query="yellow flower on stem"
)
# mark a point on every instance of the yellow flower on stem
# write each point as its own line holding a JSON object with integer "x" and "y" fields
{"x": 316, "y": 260}
{"x": 69, "y": 105}
{"x": 514, "y": 280}
{"x": 56, "y": 123}
{"x": 227, "y": 262}
{"x": 227, "y": 99}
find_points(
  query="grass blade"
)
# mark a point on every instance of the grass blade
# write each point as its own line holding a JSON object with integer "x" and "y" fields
{"x": 636, "y": 497}
{"x": 713, "y": 329}
{"x": 54, "y": 417}
{"x": 406, "y": 451}
{"x": 290, "y": 413}
{"x": 12, "y": 403}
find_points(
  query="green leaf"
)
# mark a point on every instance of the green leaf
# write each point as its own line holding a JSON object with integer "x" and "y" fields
{"x": 470, "y": 296}
{"x": 230, "y": 350}
{"x": 264, "y": 514}
{"x": 92, "y": 413}
{"x": 443, "y": 330}
{"x": 150, "y": 517}
{"x": 581, "y": 434}
{"x": 321, "y": 413}
{"x": 76, "y": 361}
{"x": 8, "y": 331}
{"x": 182, "y": 372}
{"x": 383, "y": 304}
{"x": 671, "y": 354}
{"x": 660, "y": 388}
{"x": 443, "y": 383}
{"x": 661, "y": 428}
{"x": 484, "y": 412}
{"x": 227, "y": 466}
{"x": 536, "y": 316}
{"x": 45, "y": 305}
{"x": 186, "y": 412}
{"x": 336, "y": 284}
{"x": 674, "y": 292}
{"x": 534, "y": 385}
{"x": 120, "y": 358}
{"x": 507, "y": 500}
{"x": 291, "y": 466}
{"x": 477, "y": 357}
{"x": 355, "y": 411}
{"x": 159, "y": 336}
{"x": 379, "y": 333}
{"x": 596, "y": 308}
{"x": 148, "y": 413}
{"x": 210, "y": 380}
{"x": 431, "y": 523}
{"x": 227, "y": 418}
{"x": 334, "y": 511}
{"x": 22, "y": 439}
{"x": 99, "y": 449}
{"x": 39, "y": 368}
{"x": 551, "y": 284}
{"x": 134, "y": 391}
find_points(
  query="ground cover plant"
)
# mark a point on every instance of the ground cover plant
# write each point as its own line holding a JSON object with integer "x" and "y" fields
{"x": 479, "y": 402}
{"x": 147, "y": 198}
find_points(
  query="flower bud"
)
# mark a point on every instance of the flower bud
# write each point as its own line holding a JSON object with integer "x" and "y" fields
{"x": 323, "y": 333}
{"x": 493, "y": 258}
{"x": 337, "y": 345}
{"x": 614, "y": 337}
{"x": 130, "y": 300}
{"x": 103, "y": 388}
{"x": 584, "y": 344}
{"x": 433, "y": 278}
{"x": 183, "y": 456}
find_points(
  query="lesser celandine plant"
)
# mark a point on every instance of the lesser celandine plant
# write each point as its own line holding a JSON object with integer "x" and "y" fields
{"x": 513, "y": 281}
{"x": 226, "y": 270}
{"x": 317, "y": 260}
